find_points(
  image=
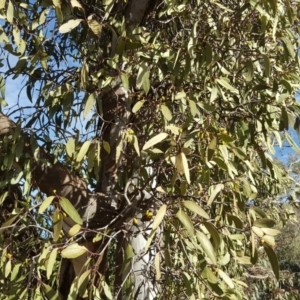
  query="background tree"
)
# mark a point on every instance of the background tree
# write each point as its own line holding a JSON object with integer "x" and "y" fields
{"x": 139, "y": 108}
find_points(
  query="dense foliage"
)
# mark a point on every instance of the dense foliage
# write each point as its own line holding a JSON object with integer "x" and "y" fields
{"x": 172, "y": 118}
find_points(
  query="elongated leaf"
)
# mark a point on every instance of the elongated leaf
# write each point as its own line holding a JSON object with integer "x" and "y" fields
{"x": 73, "y": 251}
{"x": 226, "y": 278}
{"x": 83, "y": 150}
{"x": 82, "y": 282}
{"x": 159, "y": 216}
{"x": 95, "y": 26}
{"x": 155, "y": 140}
{"x": 74, "y": 230}
{"x": 157, "y": 266}
{"x": 166, "y": 112}
{"x": 226, "y": 84}
{"x": 89, "y": 105}
{"x": 207, "y": 246}
{"x": 70, "y": 147}
{"x": 51, "y": 262}
{"x": 186, "y": 221}
{"x": 7, "y": 269}
{"x": 194, "y": 207}
{"x": 182, "y": 166}
{"x": 8, "y": 222}
{"x": 270, "y": 231}
{"x": 75, "y": 3}
{"x": 269, "y": 239}
{"x": 69, "y": 25}
{"x": 45, "y": 204}
{"x": 264, "y": 223}
{"x": 289, "y": 46}
{"x": 216, "y": 190}
{"x": 258, "y": 231}
{"x": 273, "y": 260}
{"x": 138, "y": 106}
{"x": 214, "y": 234}
{"x": 57, "y": 224}
{"x": 10, "y": 12}
{"x": 49, "y": 292}
{"x": 150, "y": 238}
{"x": 70, "y": 210}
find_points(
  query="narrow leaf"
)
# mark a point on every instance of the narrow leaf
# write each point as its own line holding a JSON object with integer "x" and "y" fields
{"x": 73, "y": 251}
{"x": 70, "y": 210}
{"x": 83, "y": 150}
{"x": 45, "y": 204}
{"x": 51, "y": 262}
{"x": 89, "y": 105}
{"x": 157, "y": 266}
{"x": 159, "y": 216}
{"x": 194, "y": 207}
{"x": 186, "y": 221}
{"x": 273, "y": 260}
{"x": 207, "y": 246}
{"x": 216, "y": 190}
{"x": 155, "y": 140}
{"x": 69, "y": 25}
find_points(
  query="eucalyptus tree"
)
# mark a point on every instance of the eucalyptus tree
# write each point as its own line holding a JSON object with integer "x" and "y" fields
{"x": 144, "y": 166}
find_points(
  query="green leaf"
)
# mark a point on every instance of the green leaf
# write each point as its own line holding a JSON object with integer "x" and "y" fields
{"x": 73, "y": 251}
{"x": 267, "y": 68}
{"x": 106, "y": 146}
{"x": 249, "y": 71}
{"x": 207, "y": 246}
{"x": 226, "y": 278}
{"x": 138, "y": 106}
{"x": 258, "y": 231}
{"x": 224, "y": 82}
{"x": 155, "y": 140}
{"x": 51, "y": 262}
{"x": 75, "y": 3}
{"x": 182, "y": 166}
{"x": 8, "y": 223}
{"x": 143, "y": 78}
{"x": 74, "y": 230}
{"x": 166, "y": 112}
{"x": 89, "y": 105}
{"x": 270, "y": 240}
{"x": 70, "y": 210}
{"x": 270, "y": 231}
{"x": 214, "y": 233}
{"x": 49, "y": 292}
{"x": 292, "y": 142}
{"x": 159, "y": 216}
{"x": 7, "y": 269}
{"x": 94, "y": 26}
{"x": 70, "y": 147}
{"x": 157, "y": 266}
{"x": 83, "y": 150}
{"x": 186, "y": 221}
{"x": 194, "y": 207}
{"x": 264, "y": 223}
{"x": 215, "y": 190}
{"x": 10, "y": 12}
{"x": 57, "y": 224}
{"x": 106, "y": 290}
{"x": 45, "y": 204}
{"x": 273, "y": 260}
{"x": 289, "y": 46}
{"x": 71, "y": 24}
